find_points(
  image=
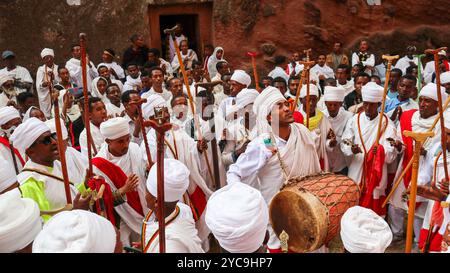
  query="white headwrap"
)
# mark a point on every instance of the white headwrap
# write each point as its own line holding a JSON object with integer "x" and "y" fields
{"x": 148, "y": 108}
{"x": 4, "y": 77}
{"x": 27, "y": 133}
{"x": 244, "y": 98}
{"x": 364, "y": 231}
{"x": 47, "y": 52}
{"x": 372, "y": 92}
{"x": 430, "y": 91}
{"x": 7, "y": 114}
{"x": 76, "y": 231}
{"x": 241, "y": 77}
{"x": 333, "y": 93}
{"x": 20, "y": 221}
{"x": 212, "y": 61}
{"x": 237, "y": 215}
{"x": 114, "y": 128}
{"x": 51, "y": 124}
{"x": 445, "y": 77}
{"x": 7, "y": 174}
{"x": 263, "y": 106}
{"x": 176, "y": 180}
{"x": 313, "y": 91}
{"x": 28, "y": 113}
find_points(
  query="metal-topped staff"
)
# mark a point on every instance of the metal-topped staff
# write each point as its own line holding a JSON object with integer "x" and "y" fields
{"x": 87, "y": 123}
{"x": 171, "y": 31}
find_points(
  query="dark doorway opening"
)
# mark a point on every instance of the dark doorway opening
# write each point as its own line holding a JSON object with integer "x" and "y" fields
{"x": 190, "y": 30}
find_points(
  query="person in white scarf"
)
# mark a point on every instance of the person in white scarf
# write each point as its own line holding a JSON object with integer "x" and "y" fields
{"x": 98, "y": 88}
{"x": 239, "y": 81}
{"x": 77, "y": 231}
{"x": 34, "y": 112}
{"x": 240, "y": 226}
{"x": 9, "y": 120}
{"x": 214, "y": 59}
{"x": 116, "y": 70}
{"x": 43, "y": 78}
{"x": 188, "y": 56}
{"x": 360, "y": 135}
{"x": 19, "y": 222}
{"x": 319, "y": 125}
{"x": 338, "y": 118}
{"x": 133, "y": 80}
{"x": 281, "y": 147}
{"x": 421, "y": 121}
{"x": 180, "y": 233}
{"x": 97, "y": 113}
{"x": 126, "y": 155}
{"x": 363, "y": 231}
{"x": 74, "y": 67}
{"x": 8, "y": 92}
{"x": 105, "y": 72}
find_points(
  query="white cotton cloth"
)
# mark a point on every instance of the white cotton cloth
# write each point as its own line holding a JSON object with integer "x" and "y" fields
{"x": 445, "y": 77}
{"x": 148, "y": 108}
{"x": 372, "y": 92}
{"x": 430, "y": 91}
{"x": 114, "y": 128}
{"x": 76, "y": 231}
{"x": 263, "y": 106}
{"x": 176, "y": 180}
{"x": 47, "y": 52}
{"x": 51, "y": 124}
{"x": 7, "y": 114}
{"x": 27, "y": 133}
{"x": 244, "y": 98}
{"x": 240, "y": 226}
{"x": 313, "y": 90}
{"x": 27, "y": 114}
{"x": 364, "y": 231}
{"x": 97, "y": 139}
{"x": 7, "y": 174}
{"x": 20, "y": 222}
{"x": 212, "y": 62}
{"x": 241, "y": 77}
{"x": 333, "y": 93}
{"x": 4, "y": 77}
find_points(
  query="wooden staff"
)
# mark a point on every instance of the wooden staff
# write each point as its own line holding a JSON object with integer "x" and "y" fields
{"x": 161, "y": 126}
{"x": 87, "y": 122}
{"x": 144, "y": 135}
{"x": 255, "y": 72}
{"x": 307, "y": 67}
{"x": 419, "y": 139}
{"x": 191, "y": 100}
{"x": 441, "y": 112}
{"x": 383, "y": 103}
{"x": 61, "y": 149}
{"x": 397, "y": 183}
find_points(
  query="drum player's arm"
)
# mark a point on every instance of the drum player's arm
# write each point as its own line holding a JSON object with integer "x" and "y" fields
{"x": 250, "y": 162}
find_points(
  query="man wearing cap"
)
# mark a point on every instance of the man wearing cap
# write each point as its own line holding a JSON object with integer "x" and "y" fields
{"x": 429, "y": 72}
{"x": 121, "y": 163}
{"x": 181, "y": 236}
{"x": 41, "y": 178}
{"x": 241, "y": 225}
{"x": 21, "y": 76}
{"x": 368, "y": 166}
{"x": 44, "y": 76}
{"x": 363, "y": 231}
{"x": 78, "y": 231}
{"x": 74, "y": 67}
{"x": 19, "y": 222}
{"x": 116, "y": 70}
{"x": 338, "y": 118}
{"x": 239, "y": 81}
{"x": 417, "y": 121}
{"x": 282, "y": 150}
{"x": 9, "y": 120}
{"x": 319, "y": 125}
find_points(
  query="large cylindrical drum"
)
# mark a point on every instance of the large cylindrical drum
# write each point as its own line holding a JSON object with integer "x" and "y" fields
{"x": 309, "y": 209}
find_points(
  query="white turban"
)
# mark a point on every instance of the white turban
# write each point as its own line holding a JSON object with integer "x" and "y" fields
{"x": 4, "y": 77}
{"x": 364, "y": 231}
{"x": 237, "y": 215}
{"x": 372, "y": 92}
{"x": 263, "y": 106}
{"x": 115, "y": 128}
{"x": 20, "y": 221}
{"x": 176, "y": 180}
{"x": 7, "y": 174}
{"x": 27, "y": 133}
{"x": 445, "y": 77}
{"x": 313, "y": 91}
{"x": 241, "y": 77}
{"x": 7, "y": 114}
{"x": 148, "y": 108}
{"x": 333, "y": 93}
{"x": 51, "y": 124}
{"x": 244, "y": 98}
{"x": 76, "y": 231}
{"x": 47, "y": 52}
{"x": 430, "y": 91}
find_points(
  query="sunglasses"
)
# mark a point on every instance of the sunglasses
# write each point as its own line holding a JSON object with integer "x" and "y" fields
{"x": 46, "y": 140}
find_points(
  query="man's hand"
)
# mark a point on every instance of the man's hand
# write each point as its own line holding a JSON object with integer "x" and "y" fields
{"x": 81, "y": 203}
{"x": 443, "y": 186}
{"x": 202, "y": 145}
{"x": 432, "y": 193}
{"x": 130, "y": 185}
{"x": 332, "y": 137}
{"x": 356, "y": 149}
{"x": 397, "y": 113}
{"x": 423, "y": 151}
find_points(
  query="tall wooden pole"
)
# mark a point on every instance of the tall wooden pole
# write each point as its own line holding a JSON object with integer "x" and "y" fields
{"x": 255, "y": 72}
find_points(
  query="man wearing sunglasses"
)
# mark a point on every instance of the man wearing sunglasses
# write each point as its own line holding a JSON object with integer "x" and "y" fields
{"x": 41, "y": 178}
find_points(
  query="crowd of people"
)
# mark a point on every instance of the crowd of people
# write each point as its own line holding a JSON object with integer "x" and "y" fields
{"x": 229, "y": 151}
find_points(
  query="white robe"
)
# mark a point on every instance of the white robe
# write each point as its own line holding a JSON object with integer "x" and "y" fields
{"x": 117, "y": 68}
{"x": 96, "y": 137}
{"x": 404, "y": 63}
{"x": 323, "y": 71}
{"x": 5, "y": 153}
{"x": 45, "y": 103}
{"x": 77, "y": 165}
{"x": 369, "y": 62}
{"x": 96, "y": 93}
{"x": 189, "y": 58}
{"x": 166, "y": 95}
{"x": 113, "y": 110}
{"x": 19, "y": 73}
{"x": 132, "y": 84}
{"x": 279, "y": 72}
{"x": 76, "y": 75}
{"x": 349, "y": 86}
